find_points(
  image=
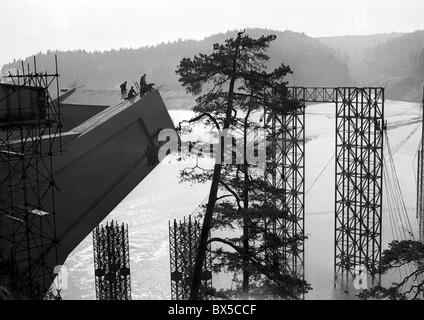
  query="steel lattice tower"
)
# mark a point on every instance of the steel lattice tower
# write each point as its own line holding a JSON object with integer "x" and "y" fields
{"x": 112, "y": 262}
{"x": 359, "y": 170}
{"x": 420, "y": 190}
{"x": 359, "y": 164}
{"x": 183, "y": 242}
{"x": 420, "y": 180}
{"x": 30, "y": 130}
{"x": 286, "y": 171}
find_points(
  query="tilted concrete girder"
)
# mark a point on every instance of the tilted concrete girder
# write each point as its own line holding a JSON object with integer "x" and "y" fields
{"x": 102, "y": 161}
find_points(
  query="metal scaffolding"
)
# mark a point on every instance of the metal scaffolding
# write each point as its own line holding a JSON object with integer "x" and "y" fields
{"x": 358, "y": 180}
{"x": 112, "y": 262}
{"x": 359, "y": 163}
{"x": 183, "y": 241}
{"x": 359, "y": 175}
{"x": 420, "y": 180}
{"x": 420, "y": 190}
{"x": 30, "y": 130}
{"x": 286, "y": 171}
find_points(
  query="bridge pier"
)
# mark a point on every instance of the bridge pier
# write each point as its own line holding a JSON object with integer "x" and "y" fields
{"x": 359, "y": 178}
{"x": 286, "y": 135}
{"x": 112, "y": 262}
{"x": 183, "y": 242}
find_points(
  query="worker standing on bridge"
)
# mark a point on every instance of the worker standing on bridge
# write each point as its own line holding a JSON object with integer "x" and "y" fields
{"x": 124, "y": 88}
{"x": 144, "y": 86}
{"x": 143, "y": 81}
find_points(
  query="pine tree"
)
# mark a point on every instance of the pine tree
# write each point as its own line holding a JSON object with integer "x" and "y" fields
{"x": 407, "y": 255}
{"x": 238, "y": 87}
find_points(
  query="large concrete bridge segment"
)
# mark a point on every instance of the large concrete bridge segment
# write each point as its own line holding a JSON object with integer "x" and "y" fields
{"x": 103, "y": 164}
{"x": 103, "y": 160}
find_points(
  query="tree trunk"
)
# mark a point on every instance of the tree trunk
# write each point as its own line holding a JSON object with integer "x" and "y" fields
{"x": 245, "y": 286}
{"x": 245, "y": 235}
{"x": 207, "y": 221}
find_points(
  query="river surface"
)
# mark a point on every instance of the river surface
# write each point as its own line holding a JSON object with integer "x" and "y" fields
{"x": 161, "y": 197}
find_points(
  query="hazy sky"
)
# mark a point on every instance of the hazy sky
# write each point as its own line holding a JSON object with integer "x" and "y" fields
{"x": 29, "y": 26}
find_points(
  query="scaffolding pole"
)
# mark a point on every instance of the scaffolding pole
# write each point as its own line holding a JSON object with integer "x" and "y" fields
{"x": 112, "y": 262}
{"x": 359, "y": 178}
{"x": 420, "y": 179}
{"x": 30, "y": 131}
{"x": 183, "y": 243}
{"x": 286, "y": 171}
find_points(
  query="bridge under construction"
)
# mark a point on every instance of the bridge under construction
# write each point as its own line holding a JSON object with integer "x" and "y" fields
{"x": 56, "y": 187}
{"x": 68, "y": 160}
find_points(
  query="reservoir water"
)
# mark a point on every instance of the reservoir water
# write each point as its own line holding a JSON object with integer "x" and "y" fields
{"x": 161, "y": 197}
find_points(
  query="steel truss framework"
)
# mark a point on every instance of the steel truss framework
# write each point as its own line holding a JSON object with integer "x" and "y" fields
{"x": 359, "y": 164}
{"x": 286, "y": 171}
{"x": 359, "y": 177}
{"x": 183, "y": 242}
{"x": 420, "y": 190}
{"x": 420, "y": 181}
{"x": 112, "y": 262}
{"x": 27, "y": 187}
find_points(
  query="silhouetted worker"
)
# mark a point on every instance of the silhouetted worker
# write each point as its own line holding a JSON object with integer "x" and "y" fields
{"x": 124, "y": 88}
{"x": 132, "y": 93}
{"x": 144, "y": 86}
{"x": 143, "y": 81}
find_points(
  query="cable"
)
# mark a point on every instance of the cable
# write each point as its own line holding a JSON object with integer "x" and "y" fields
{"x": 396, "y": 202}
{"x": 398, "y": 189}
{"x": 319, "y": 175}
{"x": 400, "y": 144}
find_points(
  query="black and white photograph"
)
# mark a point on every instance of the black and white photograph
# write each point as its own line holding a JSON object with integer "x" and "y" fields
{"x": 214, "y": 155}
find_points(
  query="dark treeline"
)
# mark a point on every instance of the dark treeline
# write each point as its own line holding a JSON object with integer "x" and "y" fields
{"x": 313, "y": 63}
{"x": 393, "y": 60}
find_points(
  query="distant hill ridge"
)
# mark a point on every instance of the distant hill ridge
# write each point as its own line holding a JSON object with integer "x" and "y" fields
{"x": 393, "y": 60}
{"x": 313, "y": 63}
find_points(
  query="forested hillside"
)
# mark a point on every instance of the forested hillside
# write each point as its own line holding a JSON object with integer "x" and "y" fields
{"x": 395, "y": 61}
{"x": 312, "y": 62}
{"x": 353, "y": 49}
